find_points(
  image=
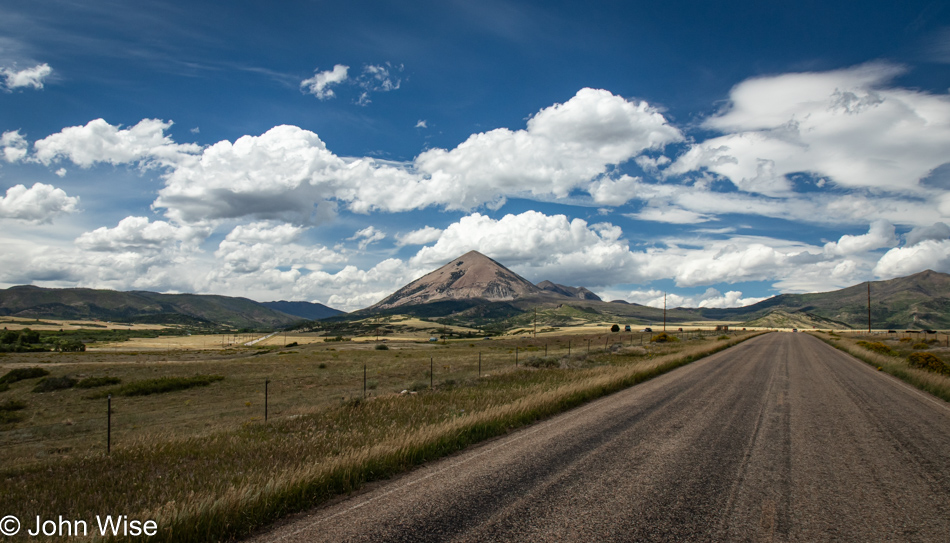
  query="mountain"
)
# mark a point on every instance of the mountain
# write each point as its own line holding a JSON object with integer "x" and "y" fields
{"x": 304, "y": 310}
{"x": 470, "y": 276}
{"x": 919, "y": 301}
{"x": 139, "y": 306}
{"x": 571, "y": 292}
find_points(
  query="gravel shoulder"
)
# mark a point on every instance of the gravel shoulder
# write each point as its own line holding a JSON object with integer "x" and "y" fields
{"x": 780, "y": 438}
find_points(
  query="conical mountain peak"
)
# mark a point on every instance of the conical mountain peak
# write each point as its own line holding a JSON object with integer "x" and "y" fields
{"x": 470, "y": 276}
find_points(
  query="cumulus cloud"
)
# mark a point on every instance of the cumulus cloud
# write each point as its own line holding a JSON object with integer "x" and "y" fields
{"x": 421, "y": 236}
{"x": 845, "y": 125}
{"x": 537, "y": 246}
{"x": 39, "y": 203}
{"x": 319, "y": 84}
{"x": 99, "y": 141}
{"x": 139, "y": 235}
{"x": 880, "y": 234}
{"x": 928, "y": 254}
{"x": 711, "y": 298}
{"x": 14, "y": 146}
{"x": 262, "y": 247}
{"x": 421, "y": 123}
{"x": 287, "y": 171}
{"x": 28, "y": 77}
{"x": 367, "y": 236}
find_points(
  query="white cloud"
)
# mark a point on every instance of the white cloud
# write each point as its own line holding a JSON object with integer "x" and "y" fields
{"x": 28, "y": 77}
{"x": 614, "y": 192}
{"x": 61, "y": 172}
{"x": 844, "y": 125}
{"x": 99, "y": 141}
{"x": 711, "y": 298}
{"x": 421, "y": 123}
{"x": 319, "y": 84}
{"x": 880, "y": 234}
{"x": 39, "y": 203}
{"x": 139, "y": 235}
{"x": 421, "y": 236}
{"x": 261, "y": 248}
{"x": 669, "y": 214}
{"x": 14, "y": 146}
{"x": 367, "y": 236}
{"x": 380, "y": 78}
{"x": 926, "y": 255}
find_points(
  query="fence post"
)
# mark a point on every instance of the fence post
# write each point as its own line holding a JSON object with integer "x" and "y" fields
{"x": 109, "y": 427}
{"x": 568, "y": 347}
{"x": 606, "y": 339}
{"x": 266, "y": 382}
{"x": 479, "y": 364}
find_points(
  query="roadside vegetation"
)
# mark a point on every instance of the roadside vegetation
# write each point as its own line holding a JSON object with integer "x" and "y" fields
{"x": 919, "y": 362}
{"x": 225, "y": 481}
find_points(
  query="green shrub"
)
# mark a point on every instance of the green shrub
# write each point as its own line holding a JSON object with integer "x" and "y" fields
{"x": 159, "y": 386}
{"x": 93, "y": 382}
{"x": 9, "y": 417}
{"x": 724, "y": 336}
{"x": 928, "y": 361}
{"x": 55, "y": 383}
{"x": 920, "y": 345}
{"x": 663, "y": 337}
{"x": 20, "y": 374}
{"x": 905, "y": 340}
{"x": 12, "y": 405}
{"x": 322, "y": 366}
{"x": 294, "y": 344}
{"x": 381, "y": 347}
{"x": 615, "y": 328}
{"x": 542, "y": 362}
{"x": 877, "y": 347}
{"x": 71, "y": 346}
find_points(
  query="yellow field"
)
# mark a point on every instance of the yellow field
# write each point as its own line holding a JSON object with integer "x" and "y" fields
{"x": 17, "y": 323}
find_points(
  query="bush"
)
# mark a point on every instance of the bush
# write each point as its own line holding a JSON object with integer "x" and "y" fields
{"x": 663, "y": 337}
{"x": 905, "y": 340}
{"x": 20, "y": 374}
{"x": 12, "y": 405}
{"x": 920, "y": 345}
{"x": 294, "y": 344}
{"x": 322, "y": 366}
{"x": 542, "y": 362}
{"x": 724, "y": 336}
{"x": 159, "y": 386}
{"x": 877, "y": 347}
{"x": 71, "y": 346}
{"x": 381, "y": 347}
{"x": 615, "y": 328}
{"x": 9, "y": 417}
{"x": 93, "y": 382}
{"x": 55, "y": 383}
{"x": 929, "y": 362}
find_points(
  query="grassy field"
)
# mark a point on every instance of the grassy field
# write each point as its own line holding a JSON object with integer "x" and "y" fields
{"x": 889, "y": 352}
{"x": 204, "y": 464}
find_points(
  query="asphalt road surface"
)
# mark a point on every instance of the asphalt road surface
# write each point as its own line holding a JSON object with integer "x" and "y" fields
{"x": 780, "y": 438}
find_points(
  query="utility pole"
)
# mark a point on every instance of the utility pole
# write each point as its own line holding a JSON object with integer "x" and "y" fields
{"x": 535, "y": 323}
{"x": 664, "y": 312}
{"x": 869, "y": 307}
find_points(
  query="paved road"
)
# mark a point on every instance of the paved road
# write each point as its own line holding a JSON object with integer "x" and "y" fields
{"x": 780, "y": 438}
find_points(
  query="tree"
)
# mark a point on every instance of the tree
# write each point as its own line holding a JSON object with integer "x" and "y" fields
{"x": 615, "y": 328}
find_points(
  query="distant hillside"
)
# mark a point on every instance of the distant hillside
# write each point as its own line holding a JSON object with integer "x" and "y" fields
{"x": 304, "y": 310}
{"x": 918, "y": 301}
{"x": 139, "y": 306}
{"x": 782, "y": 319}
{"x": 571, "y": 292}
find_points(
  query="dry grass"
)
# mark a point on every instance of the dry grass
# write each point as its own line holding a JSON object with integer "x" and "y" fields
{"x": 895, "y": 364}
{"x": 217, "y": 482}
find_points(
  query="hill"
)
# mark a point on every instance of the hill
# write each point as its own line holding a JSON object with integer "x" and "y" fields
{"x": 304, "y": 310}
{"x": 139, "y": 306}
{"x": 570, "y": 292}
{"x": 919, "y": 301}
{"x": 472, "y": 276}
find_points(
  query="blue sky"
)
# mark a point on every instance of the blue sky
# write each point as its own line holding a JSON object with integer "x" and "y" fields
{"x": 333, "y": 152}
